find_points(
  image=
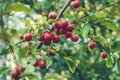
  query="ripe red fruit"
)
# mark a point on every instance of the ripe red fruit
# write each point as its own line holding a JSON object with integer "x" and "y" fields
{"x": 75, "y": 4}
{"x": 57, "y": 25}
{"x": 57, "y": 31}
{"x": 75, "y": 38}
{"x": 56, "y": 39}
{"x": 51, "y": 53}
{"x": 63, "y": 31}
{"x": 42, "y": 64}
{"x": 104, "y": 55}
{"x": 41, "y": 37}
{"x": 52, "y": 15}
{"x": 20, "y": 69}
{"x": 70, "y": 27}
{"x": 63, "y": 24}
{"x": 47, "y": 43}
{"x": 36, "y": 63}
{"x": 15, "y": 74}
{"x": 68, "y": 34}
{"x": 28, "y": 36}
{"x": 47, "y": 37}
{"x": 92, "y": 45}
{"x": 29, "y": 52}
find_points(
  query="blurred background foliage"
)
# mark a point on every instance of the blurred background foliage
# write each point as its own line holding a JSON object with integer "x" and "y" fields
{"x": 76, "y": 61}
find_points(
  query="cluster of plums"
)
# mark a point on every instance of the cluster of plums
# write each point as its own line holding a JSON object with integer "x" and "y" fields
{"x": 61, "y": 27}
{"x": 18, "y": 70}
{"x": 92, "y": 45}
{"x": 42, "y": 63}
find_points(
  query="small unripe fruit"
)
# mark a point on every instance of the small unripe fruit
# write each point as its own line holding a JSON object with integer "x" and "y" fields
{"x": 104, "y": 55}
{"x": 52, "y": 15}
{"x": 42, "y": 64}
{"x": 70, "y": 27}
{"x": 56, "y": 39}
{"x": 75, "y": 38}
{"x": 75, "y": 4}
{"x": 29, "y": 52}
{"x": 36, "y": 63}
{"x": 92, "y": 45}
{"x": 28, "y": 37}
{"x": 68, "y": 34}
{"x": 15, "y": 74}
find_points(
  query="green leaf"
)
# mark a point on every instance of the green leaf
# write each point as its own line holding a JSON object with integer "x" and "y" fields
{"x": 85, "y": 31}
{"x": 3, "y": 51}
{"x": 32, "y": 59}
{"x": 108, "y": 23}
{"x": 109, "y": 62}
{"x": 48, "y": 61}
{"x": 100, "y": 39}
{"x": 4, "y": 70}
{"x": 17, "y": 7}
{"x": 21, "y": 53}
{"x": 29, "y": 69}
{"x": 31, "y": 76}
{"x": 53, "y": 76}
{"x": 116, "y": 67}
{"x": 116, "y": 55}
{"x": 100, "y": 14}
{"x": 71, "y": 64}
{"x": 50, "y": 21}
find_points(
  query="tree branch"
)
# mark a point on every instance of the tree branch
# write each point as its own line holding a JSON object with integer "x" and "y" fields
{"x": 109, "y": 5}
{"x": 112, "y": 4}
{"x": 63, "y": 9}
{"x": 19, "y": 42}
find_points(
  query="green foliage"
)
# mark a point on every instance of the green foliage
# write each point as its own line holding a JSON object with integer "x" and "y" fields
{"x": 71, "y": 63}
{"x": 84, "y": 31}
{"x": 17, "y": 7}
{"x": 4, "y": 70}
{"x": 94, "y": 20}
{"x": 108, "y": 23}
{"x": 109, "y": 62}
{"x": 48, "y": 61}
{"x": 52, "y": 77}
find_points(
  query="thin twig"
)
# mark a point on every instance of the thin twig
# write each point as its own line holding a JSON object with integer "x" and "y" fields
{"x": 109, "y": 5}
{"x": 19, "y": 42}
{"x": 14, "y": 56}
{"x": 102, "y": 8}
{"x": 63, "y": 9}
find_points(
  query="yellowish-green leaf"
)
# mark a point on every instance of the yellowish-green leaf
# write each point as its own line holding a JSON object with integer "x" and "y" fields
{"x": 100, "y": 14}
{"x": 100, "y": 39}
{"x": 109, "y": 62}
{"x": 85, "y": 31}
{"x": 17, "y": 7}
{"x": 53, "y": 76}
{"x": 108, "y": 23}
{"x": 71, "y": 64}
